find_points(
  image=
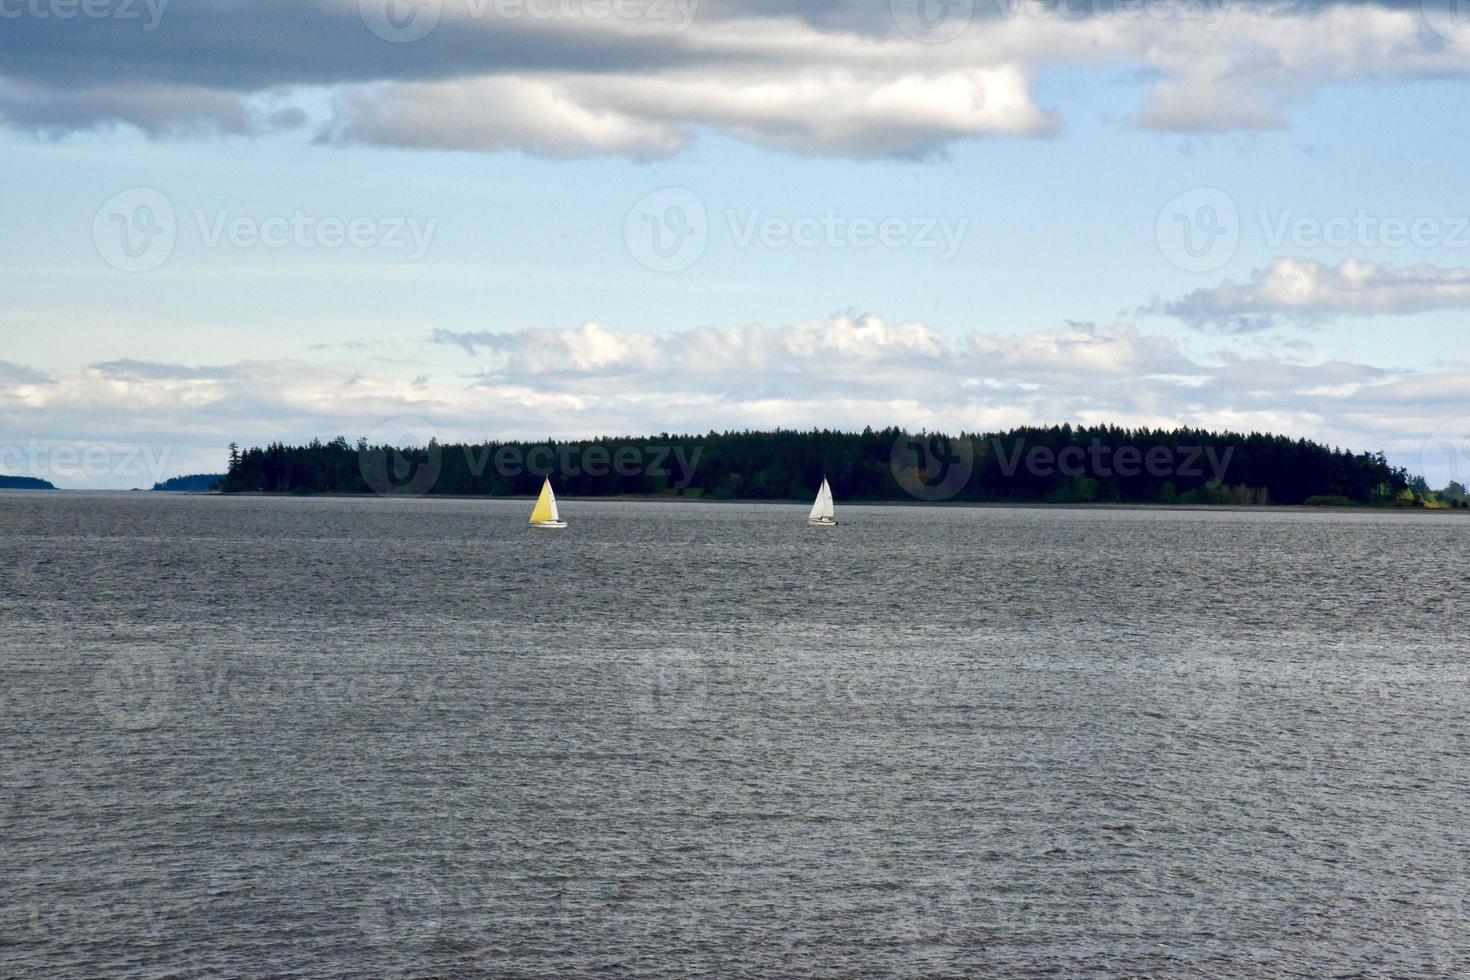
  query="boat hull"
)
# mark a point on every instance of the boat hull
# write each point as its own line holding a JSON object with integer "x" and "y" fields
{"x": 550, "y": 525}
{"x": 821, "y": 522}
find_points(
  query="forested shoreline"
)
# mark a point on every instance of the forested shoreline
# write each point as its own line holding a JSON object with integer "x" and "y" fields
{"x": 193, "y": 483}
{"x": 1057, "y": 464}
{"x": 24, "y": 483}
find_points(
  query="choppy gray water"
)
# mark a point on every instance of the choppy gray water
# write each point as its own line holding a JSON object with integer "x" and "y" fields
{"x": 364, "y": 737}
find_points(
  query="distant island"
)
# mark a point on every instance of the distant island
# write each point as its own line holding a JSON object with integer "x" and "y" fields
{"x": 197, "y": 483}
{"x": 1057, "y": 465}
{"x": 24, "y": 483}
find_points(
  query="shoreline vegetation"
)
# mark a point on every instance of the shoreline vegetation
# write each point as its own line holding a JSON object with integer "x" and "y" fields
{"x": 1058, "y": 465}
{"x": 24, "y": 483}
{"x": 194, "y": 483}
{"x": 675, "y": 498}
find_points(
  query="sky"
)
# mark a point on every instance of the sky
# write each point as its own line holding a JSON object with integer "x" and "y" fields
{"x": 230, "y": 221}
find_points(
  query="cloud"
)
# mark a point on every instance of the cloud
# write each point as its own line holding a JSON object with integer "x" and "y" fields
{"x": 1304, "y": 290}
{"x": 849, "y": 358}
{"x": 703, "y": 356}
{"x": 158, "y": 110}
{"x": 1262, "y": 57}
{"x": 1109, "y": 351}
{"x": 536, "y": 115}
{"x": 848, "y": 371}
{"x": 831, "y": 111}
{"x": 588, "y": 350}
{"x": 18, "y": 374}
{"x": 127, "y": 369}
{"x": 840, "y": 80}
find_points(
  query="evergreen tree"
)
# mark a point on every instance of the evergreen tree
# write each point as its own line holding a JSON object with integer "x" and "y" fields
{"x": 1059, "y": 464}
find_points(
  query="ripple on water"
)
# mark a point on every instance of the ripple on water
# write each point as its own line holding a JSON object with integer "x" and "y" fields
{"x": 357, "y": 737}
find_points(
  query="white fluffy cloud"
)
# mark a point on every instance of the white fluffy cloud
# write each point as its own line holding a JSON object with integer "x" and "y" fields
{"x": 840, "y": 350}
{"x": 1114, "y": 351}
{"x": 589, "y": 349}
{"x": 1302, "y": 289}
{"x": 834, "y": 111}
{"x": 538, "y": 115}
{"x": 788, "y": 84}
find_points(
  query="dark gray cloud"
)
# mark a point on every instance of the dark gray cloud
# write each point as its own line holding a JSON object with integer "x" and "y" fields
{"x": 849, "y": 78}
{"x": 131, "y": 370}
{"x": 470, "y": 341}
{"x": 18, "y": 374}
{"x": 255, "y": 45}
{"x": 251, "y": 45}
{"x": 487, "y": 77}
{"x": 157, "y": 110}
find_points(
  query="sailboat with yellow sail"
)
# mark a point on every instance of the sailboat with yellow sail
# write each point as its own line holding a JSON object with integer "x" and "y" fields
{"x": 546, "y": 515}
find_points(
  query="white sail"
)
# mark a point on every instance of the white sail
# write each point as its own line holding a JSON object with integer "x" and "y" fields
{"x": 555, "y": 513}
{"x": 822, "y": 509}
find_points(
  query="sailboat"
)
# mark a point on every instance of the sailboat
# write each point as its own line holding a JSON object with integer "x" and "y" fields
{"x": 546, "y": 514}
{"x": 822, "y": 514}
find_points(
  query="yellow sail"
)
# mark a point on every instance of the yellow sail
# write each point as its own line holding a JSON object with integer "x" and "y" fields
{"x": 545, "y": 511}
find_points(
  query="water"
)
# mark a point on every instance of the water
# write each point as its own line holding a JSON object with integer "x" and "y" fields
{"x": 352, "y": 737}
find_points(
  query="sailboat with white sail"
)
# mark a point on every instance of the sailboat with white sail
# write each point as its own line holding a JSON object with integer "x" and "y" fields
{"x": 823, "y": 514}
{"x": 546, "y": 515}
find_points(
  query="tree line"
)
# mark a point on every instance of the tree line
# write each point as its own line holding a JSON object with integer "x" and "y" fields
{"x": 1055, "y": 464}
{"x": 193, "y": 483}
{"x": 24, "y": 483}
